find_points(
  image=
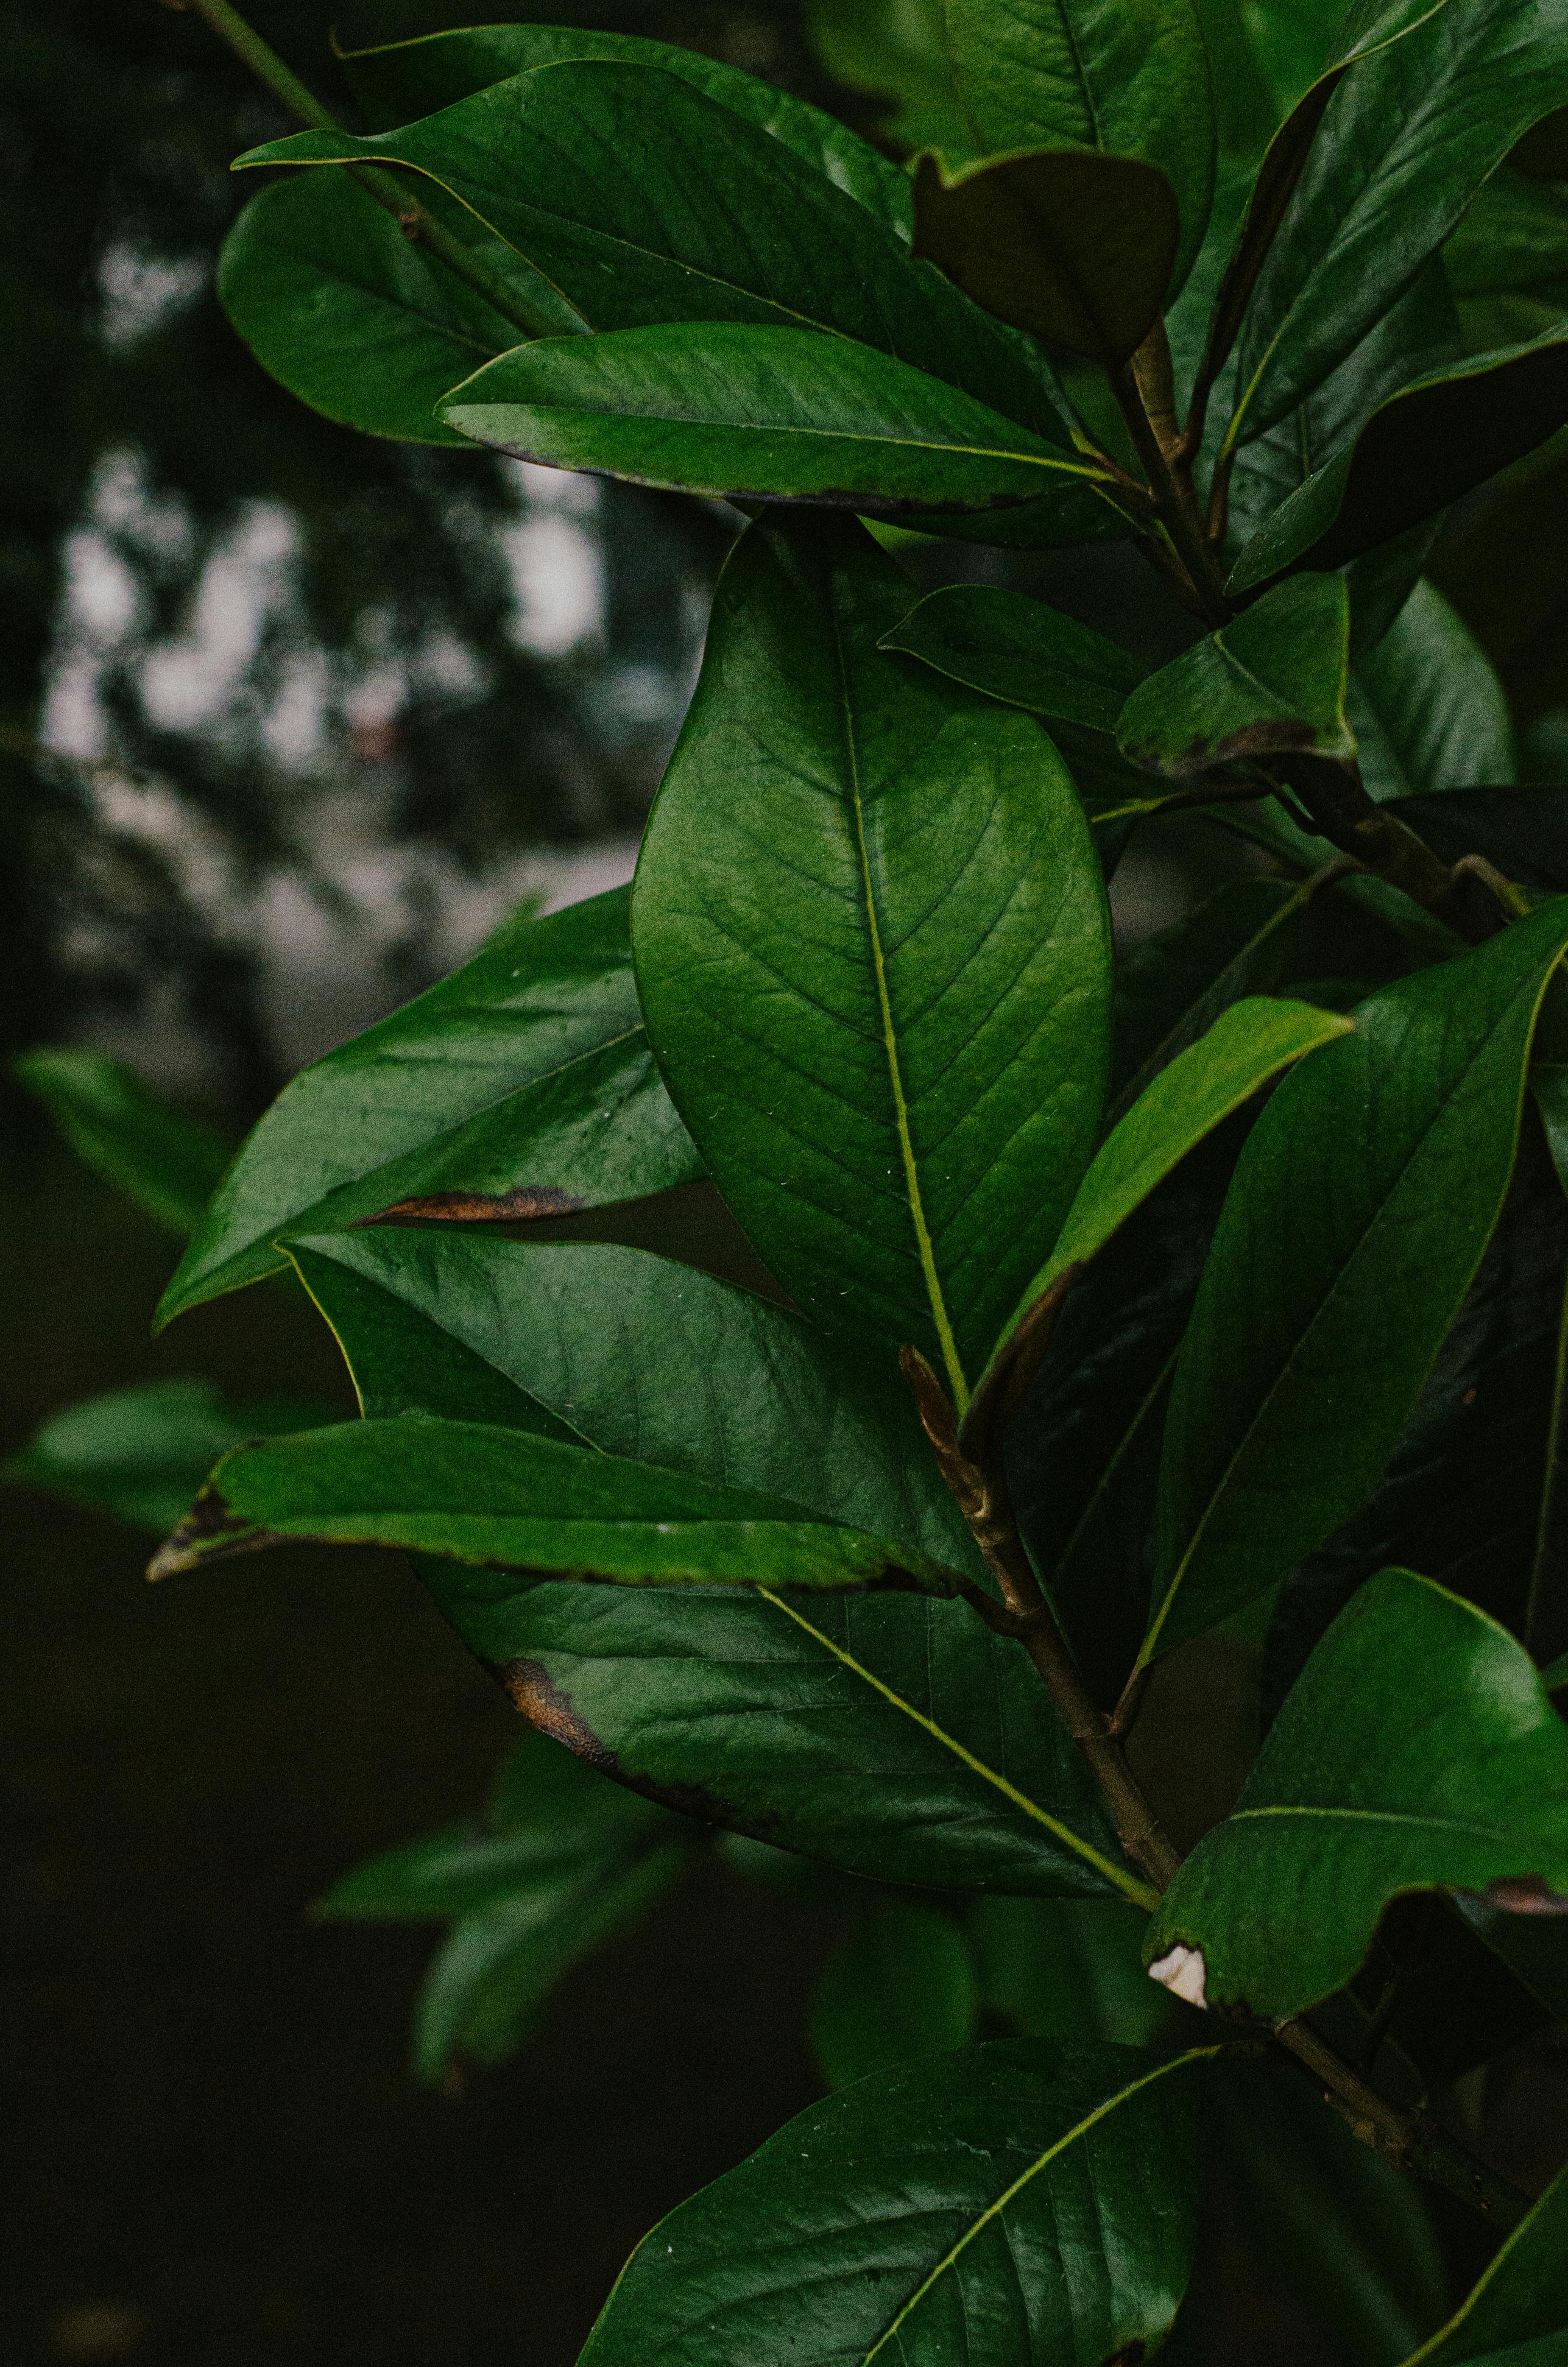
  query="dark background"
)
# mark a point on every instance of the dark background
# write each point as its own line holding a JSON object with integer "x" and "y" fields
{"x": 215, "y": 2149}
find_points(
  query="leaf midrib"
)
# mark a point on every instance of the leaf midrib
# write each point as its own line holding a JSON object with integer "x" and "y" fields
{"x": 939, "y": 1315}
{"x": 1051, "y": 2153}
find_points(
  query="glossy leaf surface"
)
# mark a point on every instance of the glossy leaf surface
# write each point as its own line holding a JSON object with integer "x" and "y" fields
{"x": 873, "y": 951}
{"x": 1074, "y": 247}
{"x": 902, "y": 1986}
{"x": 1418, "y": 1749}
{"x": 142, "y": 1454}
{"x": 348, "y": 312}
{"x": 1010, "y": 2199}
{"x": 645, "y": 202}
{"x": 401, "y": 81}
{"x": 1271, "y": 681}
{"x": 1129, "y": 80}
{"x": 1245, "y": 1047}
{"x": 766, "y": 413}
{"x": 1517, "y": 2315}
{"x": 1407, "y": 137}
{"x": 520, "y": 1086}
{"x": 168, "y": 1164}
{"x": 616, "y": 1349}
{"x": 1441, "y": 436}
{"x": 1392, "y": 1149}
{"x": 512, "y": 1500}
{"x": 913, "y": 1749}
{"x": 1020, "y": 652}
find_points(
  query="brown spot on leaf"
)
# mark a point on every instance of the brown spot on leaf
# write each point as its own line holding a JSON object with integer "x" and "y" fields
{"x": 535, "y": 1693}
{"x": 478, "y": 1207}
{"x": 209, "y": 1528}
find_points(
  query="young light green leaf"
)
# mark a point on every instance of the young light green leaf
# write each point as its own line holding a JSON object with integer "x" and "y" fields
{"x": 401, "y": 81}
{"x": 1074, "y": 247}
{"x": 1020, "y": 652}
{"x": 1408, "y": 137}
{"x": 520, "y": 1086}
{"x": 1439, "y": 437}
{"x": 1270, "y": 683}
{"x": 873, "y": 952}
{"x": 1517, "y": 2315}
{"x": 903, "y": 1986}
{"x": 1009, "y": 2200}
{"x": 646, "y": 203}
{"x": 350, "y": 314}
{"x": 142, "y": 1454}
{"x": 1354, "y": 1224}
{"x": 618, "y": 1349}
{"x": 168, "y": 1164}
{"x": 1428, "y": 710}
{"x": 507, "y": 1501}
{"x": 1245, "y": 1047}
{"x": 1125, "y": 80}
{"x": 769, "y": 413}
{"x": 1418, "y": 1751}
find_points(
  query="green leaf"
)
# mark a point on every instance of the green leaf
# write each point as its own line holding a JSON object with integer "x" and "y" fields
{"x": 168, "y": 1164}
{"x": 1084, "y": 1449}
{"x": 142, "y": 1454}
{"x": 646, "y": 203}
{"x": 1129, "y": 78}
{"x": 1534, "y": 1947}
{"x": 767, "y": 413}
{"x": 1352, "y": 2237}
{"x": 1356, "y": 1219}
{"x": 510, "y": 1500}
{"x": 1298, "y": 45}
{"x": 892, "y": 1736}
{"x": 873, "y": 951}
{"x": 1408, "y": 136}
{"x": 399, "y": 80}
{"x": 1020, "y": 652}
{"x": 1460, "y": 1499}
{"x": 1010, "y": 2201}
{"x": 1066, "y": 1968}
{"x": 485, "y": 1990}
{"x": 897, "y": 49}
{"x": 348, "y": 312}
{"x": 1418, "y": 1749}
{"x": 1174, "y": 984}
{"x": 1507, "y": 261}
{"x": 1517, "y": 2314}
{"x": 1270, "y": 683}
{"x": 903, "y": 1986}
{"x": 1074, "y": 247}
{"x": 520, "y": 1086}
{"x": 1440, "y": 437}
{"x": 1198, "y": 1091}
{"x": 1428, "y": 710}
{"x": 621, "y": 1349}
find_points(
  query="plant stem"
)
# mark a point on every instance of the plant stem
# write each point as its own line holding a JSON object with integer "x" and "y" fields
{"x": 1409, "y": 2140}
{"x": 1145, "y": 392}
{"x": 548, "y": 318}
